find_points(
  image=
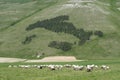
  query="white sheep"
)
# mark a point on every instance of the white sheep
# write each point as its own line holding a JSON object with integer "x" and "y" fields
{"x": 77, "y": 67}
{"x": 104, "y": 67}
{"x": 58, "y": 67}
{"x": 51, "y": 67}
{"x": 89, "y": 68}
{"x": 40, "y": 67}
{"x": 67, "y": 66}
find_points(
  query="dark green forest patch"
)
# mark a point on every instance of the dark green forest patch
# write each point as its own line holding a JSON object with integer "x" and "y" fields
{"x": 65, "y": 46}
{"x": 60, "y": 24}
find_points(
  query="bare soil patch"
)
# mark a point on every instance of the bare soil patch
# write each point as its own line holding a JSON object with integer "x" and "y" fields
{"x": 56, "y": 59}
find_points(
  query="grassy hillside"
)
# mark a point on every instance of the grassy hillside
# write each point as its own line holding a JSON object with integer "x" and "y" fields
{"x": 99, "y": 15}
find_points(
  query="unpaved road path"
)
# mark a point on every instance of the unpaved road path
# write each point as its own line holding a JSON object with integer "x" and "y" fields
{"x": 9, "y": 60}
{"x": 46, "y": 59}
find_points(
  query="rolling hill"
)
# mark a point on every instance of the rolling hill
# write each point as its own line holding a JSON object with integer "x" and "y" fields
{"x": 39, "y": 28}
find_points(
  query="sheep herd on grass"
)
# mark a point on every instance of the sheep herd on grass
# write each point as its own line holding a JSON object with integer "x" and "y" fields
{"x": 88, "y": 68}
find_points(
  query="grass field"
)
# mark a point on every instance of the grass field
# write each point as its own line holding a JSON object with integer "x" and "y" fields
{"x": 17, "y": 15}
{"x": 65, "y": 74}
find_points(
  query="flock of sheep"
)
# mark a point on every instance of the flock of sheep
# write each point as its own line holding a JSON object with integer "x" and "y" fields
{"x": 88, "y": 68}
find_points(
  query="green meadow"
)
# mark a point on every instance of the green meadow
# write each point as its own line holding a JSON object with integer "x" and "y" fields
{"x": 12, "y": 73}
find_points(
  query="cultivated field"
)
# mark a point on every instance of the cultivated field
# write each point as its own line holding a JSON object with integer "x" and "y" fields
{"x": 15, "y": 73}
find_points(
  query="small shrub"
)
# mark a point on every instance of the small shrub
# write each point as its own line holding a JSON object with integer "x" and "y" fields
{"x": 98, "y": 33}
{"x": 28, "y": 39}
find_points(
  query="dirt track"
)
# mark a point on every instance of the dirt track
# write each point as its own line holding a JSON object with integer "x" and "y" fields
{"x": 8, "y": 60}
{"x": 46, "y": 59}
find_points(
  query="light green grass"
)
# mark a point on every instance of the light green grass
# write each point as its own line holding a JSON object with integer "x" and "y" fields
{"x": 15, "y": 12}
{"x": 64, "y": 74}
